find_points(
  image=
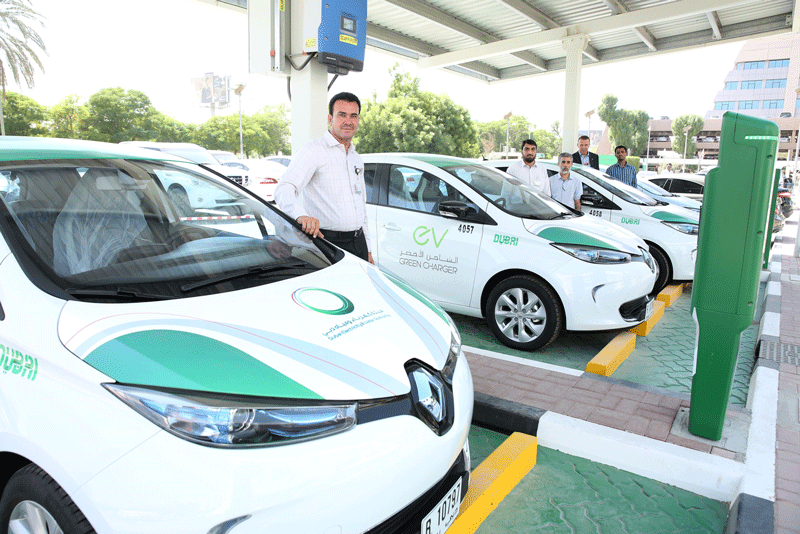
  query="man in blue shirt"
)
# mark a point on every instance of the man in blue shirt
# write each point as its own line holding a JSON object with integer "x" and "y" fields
{"x": 621, "y": 170}
{"x": 564, "y": 187}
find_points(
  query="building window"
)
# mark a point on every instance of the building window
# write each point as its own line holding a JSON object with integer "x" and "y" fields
{"x": 773, "y": 104}
{"x": 778, "y": 63}
{"x": 748, "y": 104}
{"x": 751, "y": 84}
{"x": 724, "y": 105}
{"x": 750, "y": 65}
{"x": 775, "y": 84}
{"x": 731, "y": 86}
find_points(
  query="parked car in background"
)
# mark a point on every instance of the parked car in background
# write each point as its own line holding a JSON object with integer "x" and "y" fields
{"x": 480, "y": 243}
{"x": 223, "y": 156}
{"x": 164, "y": 374}
{"x": 651, "y": 189}
{"x": 194, "y": 153}
{"x": 264, "y": 176}
{"x": 669, "y": 230}
{"x": 687, "y": 185}
{"x": 785, "y": 201}
{"x": 283, "y": 160}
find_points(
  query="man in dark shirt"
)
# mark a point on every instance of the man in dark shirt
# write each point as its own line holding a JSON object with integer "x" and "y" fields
{"x": 583, "y": 156}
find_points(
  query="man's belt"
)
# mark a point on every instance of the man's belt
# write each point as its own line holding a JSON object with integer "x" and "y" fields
{"x": 352, "y": 234}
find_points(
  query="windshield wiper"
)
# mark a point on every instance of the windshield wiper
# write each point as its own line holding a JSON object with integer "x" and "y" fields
{"x": 280, "y": 269}
{"x": 120, "y": 292}
{"x": 560, "y": 216}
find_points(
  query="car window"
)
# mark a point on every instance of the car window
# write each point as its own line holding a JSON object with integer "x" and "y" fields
{"x": 617, "y": 188}
{"x": 686, "y": 187}
{"x": 413, "y": 189}
{"x": 653, "y": 189}
{"x": 661, "y": 182}
{"x": 159, "y": 228}
{"x": 593, "y": 198}
{"x": 370, "y": 170}
{"x": 508, "y": 193}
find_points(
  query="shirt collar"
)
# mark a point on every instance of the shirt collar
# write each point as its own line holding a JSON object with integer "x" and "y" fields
{"x": 330, "y": 140}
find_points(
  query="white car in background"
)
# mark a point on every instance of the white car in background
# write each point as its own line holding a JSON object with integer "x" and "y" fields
{"x": 210, "y": 374}
{"x": 223, "y": 156}
{"x": 264, "y": 176}
{"x": 651, "y": 189}
{"x": 670, "y": 231}
{"x": 480, "y": 243}
{"x": 684, "y": 184}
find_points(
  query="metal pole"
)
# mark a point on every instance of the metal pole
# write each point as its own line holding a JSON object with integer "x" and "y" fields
{"x": 647, "y": 156}
{"x": 241, "y": 136}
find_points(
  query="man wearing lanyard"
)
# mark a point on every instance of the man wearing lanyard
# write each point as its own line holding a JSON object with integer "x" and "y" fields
{"x": 621, "y": 170}
{"x": 330, "y": 174}
{"x": 563, "y": 186}
{"x": 525, "y": 169}
{"x": 583, "y": 156}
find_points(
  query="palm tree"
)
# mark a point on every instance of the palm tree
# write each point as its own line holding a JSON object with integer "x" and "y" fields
{"x": 16, "y": 52}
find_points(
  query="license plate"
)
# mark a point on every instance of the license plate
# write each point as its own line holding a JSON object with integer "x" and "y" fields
{"x": 443, "y": 515}
{"x": 649, "y": 310}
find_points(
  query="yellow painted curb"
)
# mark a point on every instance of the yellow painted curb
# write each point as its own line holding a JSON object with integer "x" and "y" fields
{"x": 670, "y": 294}
{"x": 613, "y": 354}
{"x": 645, "y": 328}
{"x": 491, "y": 481}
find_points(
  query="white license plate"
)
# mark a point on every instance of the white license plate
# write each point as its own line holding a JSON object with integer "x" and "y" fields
{"x": 443, "y": 515}
{"x": 649, "y": 309}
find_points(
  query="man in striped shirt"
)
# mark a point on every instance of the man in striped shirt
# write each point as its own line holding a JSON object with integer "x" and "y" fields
{"x": 330, "y": 174}
{"x": 621, "y": 170}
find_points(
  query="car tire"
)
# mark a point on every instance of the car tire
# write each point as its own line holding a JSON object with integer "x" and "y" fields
{"x": 664, "y": 268}
{"x": 524, "y": 313}
{"x": 34, "y": 502}
{"x": 181, "y": 201}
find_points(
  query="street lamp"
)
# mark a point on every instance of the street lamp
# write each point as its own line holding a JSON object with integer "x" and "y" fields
{"x": 238, "y": 91}
{"x": 797, "y": 133}
{"x": 685, "y": 144}
{"x": 589, "y": 127}
{"x": 647, "y": 156}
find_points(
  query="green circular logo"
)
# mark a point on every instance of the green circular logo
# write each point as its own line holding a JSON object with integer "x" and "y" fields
{"x": 323, "y": 301}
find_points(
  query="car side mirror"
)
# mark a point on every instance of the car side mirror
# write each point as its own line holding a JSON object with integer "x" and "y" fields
{"x": 456, "y": 209}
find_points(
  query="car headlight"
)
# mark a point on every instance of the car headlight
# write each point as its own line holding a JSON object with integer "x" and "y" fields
{"x": 223, "y": 422}
{"x": 685, "y": 228}
{"x": 449, "y": 368}
{"x": 648, "y": 259}
{"x": 594, "y": 254}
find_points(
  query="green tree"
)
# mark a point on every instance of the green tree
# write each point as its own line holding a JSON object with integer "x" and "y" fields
{"x": 274, "y": 121}
{"x": 115, "y": 115}
{"x": 66, "y": 117}
{"x": 493, "y": 136}
{"x": 412, "y": 120}
{"x": 626, "y": 127}
{"x": 17, "y": 42}
{"x": 168, "y": 130}
{"x": 694, "y": 123}
{"x": 24, "y": 116}
{"x": 222, "y": 133}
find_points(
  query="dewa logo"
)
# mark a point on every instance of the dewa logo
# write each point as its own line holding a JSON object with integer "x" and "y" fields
{"x": 323, "y": 301}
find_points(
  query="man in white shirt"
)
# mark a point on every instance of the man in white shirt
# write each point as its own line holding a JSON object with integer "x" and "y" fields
{"x": 330, "y": 174}
{"x": 564, "y": 187}
{"x": 528, "y": 171}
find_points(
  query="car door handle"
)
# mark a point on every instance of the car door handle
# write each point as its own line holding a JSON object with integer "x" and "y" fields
{"x": 392, "y": 226}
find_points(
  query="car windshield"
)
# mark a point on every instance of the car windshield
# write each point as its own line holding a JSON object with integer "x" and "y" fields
{"x": 653, "y": 189}
{"x": 508, "y": 193}
{"x": 225, "y": 157}
{"x": 617, "y": 188}
{"x": 128, "y": 229}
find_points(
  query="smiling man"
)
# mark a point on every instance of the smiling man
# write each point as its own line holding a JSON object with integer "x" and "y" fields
{"x": 330, "y": 174}
{"x": 583, "y": 156}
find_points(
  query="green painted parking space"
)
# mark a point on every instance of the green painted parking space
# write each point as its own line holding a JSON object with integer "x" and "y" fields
{"x": 571, "y": 349}
{"x": 665, "y": 357}
{"x": 570, "y": 495}
{"x": 482, "y": 443}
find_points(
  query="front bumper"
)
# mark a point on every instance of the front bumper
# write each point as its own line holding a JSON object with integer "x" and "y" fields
{"x": 343, "y": 484}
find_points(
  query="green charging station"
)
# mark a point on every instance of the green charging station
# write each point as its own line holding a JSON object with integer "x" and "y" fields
{"x": 733, "y": 229}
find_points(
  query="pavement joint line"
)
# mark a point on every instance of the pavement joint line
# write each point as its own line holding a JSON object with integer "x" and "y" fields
{"x": 494, "y": 479}
{"x": 522, "y": 361}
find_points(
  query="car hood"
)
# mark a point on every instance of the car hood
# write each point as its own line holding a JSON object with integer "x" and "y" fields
{"x": 672, "y": 213}
{"x": 586, "y": 230}
{"x": 291, "y": 339}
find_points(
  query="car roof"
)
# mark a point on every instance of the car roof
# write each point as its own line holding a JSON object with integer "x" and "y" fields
{"x": 47, "y": 148}
{"x": 437, "y": 160}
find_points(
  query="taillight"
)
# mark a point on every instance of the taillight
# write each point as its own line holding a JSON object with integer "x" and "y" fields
{"x": 267, "y": 181}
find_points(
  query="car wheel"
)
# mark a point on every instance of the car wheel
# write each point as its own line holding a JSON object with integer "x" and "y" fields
{"x": 181, "y": 201}
{"x": 34, "y": 503}
{"x": 664, "y": 268}
{"x": 524, "y": 313}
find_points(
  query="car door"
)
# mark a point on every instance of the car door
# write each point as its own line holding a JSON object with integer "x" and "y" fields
{"x": 436, "y": 254}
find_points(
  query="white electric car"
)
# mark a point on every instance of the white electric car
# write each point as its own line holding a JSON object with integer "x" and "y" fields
{"x": 165, "y": 373}
{"x": 669, "y": 230}
{"x": 481, "y": 243}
